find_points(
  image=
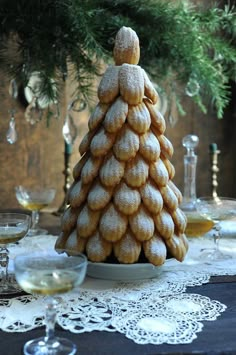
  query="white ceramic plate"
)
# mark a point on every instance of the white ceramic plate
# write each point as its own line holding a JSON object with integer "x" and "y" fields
{"x": 123, "y": 272}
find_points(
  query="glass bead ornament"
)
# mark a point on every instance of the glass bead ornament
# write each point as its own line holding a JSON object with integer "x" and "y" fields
{"x": 192, "y": 88}
{"x": 11, "y": 135}
{"x": 33, "y": 112}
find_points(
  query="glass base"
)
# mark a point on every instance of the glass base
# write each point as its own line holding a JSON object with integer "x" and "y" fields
{"x": 56, "y": 346}
{"x": 9, "y": 287}
{"x": 36, "y": 231}
{"x": 213, "y": 254}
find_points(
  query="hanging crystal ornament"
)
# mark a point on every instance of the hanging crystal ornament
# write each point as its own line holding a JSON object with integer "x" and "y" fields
{"x": 33, "y": 112}
{"x": 192, "y": 88}
{"x": 78, "y": 105}
{"x": 13, "y": 89}
{"x": 11, "y": 133}
{"x": 69, "y": 129}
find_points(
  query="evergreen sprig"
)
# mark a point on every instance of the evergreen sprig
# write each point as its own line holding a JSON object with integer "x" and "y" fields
{"x": 179, "y": 42}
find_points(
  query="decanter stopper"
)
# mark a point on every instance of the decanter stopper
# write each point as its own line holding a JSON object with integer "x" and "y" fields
{"x": 190, "y": 142}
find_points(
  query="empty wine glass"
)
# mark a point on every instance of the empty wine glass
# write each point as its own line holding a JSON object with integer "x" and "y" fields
{"x": 43, "y": 274}
{"x": 35, "y": 199}
{"x": 13, "y": 227}
{"x": 218, "y": 209}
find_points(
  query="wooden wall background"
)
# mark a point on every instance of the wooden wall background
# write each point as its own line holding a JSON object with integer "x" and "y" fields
{"x": 37, "y": 158}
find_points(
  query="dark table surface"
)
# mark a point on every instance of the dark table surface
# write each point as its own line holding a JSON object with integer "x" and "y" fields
{"x": 217, "y": 337}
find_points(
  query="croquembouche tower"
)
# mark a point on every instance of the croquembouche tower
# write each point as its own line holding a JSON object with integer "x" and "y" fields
{"x": 123, "y": 206}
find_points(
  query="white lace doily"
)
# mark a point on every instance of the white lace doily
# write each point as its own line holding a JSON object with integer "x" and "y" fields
{"x": 151, "y": 311}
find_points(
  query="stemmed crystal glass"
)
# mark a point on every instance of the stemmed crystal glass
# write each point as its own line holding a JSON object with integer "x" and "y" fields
{"x": 218, "y": 209}
{"x": 50, "y": 275}
{"x": 35, "y": 199}
{"x": 13, "y": 227}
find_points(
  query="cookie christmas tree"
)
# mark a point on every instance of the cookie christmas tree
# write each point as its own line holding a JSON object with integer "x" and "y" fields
{"x": 123, "y": 204}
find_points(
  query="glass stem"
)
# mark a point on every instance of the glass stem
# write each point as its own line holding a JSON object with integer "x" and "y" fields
{"x": 216, "y": 235}
{"x": 50, "y": 319}
{"x": 35, "y": 219}
{"x": 4, "y": 262}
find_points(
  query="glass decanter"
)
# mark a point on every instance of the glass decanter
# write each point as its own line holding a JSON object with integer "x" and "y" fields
{"x": 197, "y": 225}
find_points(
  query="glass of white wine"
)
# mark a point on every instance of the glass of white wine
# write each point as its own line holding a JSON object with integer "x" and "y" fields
{"x": 49, "y": 275}
{"x": 35, "y": 199}
{"x": 217, "y": 209}
{"x": 13, "y": 227}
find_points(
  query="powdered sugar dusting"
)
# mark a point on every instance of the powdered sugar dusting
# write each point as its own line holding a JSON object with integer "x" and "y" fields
{"x": 112, "y": 171}
{"x": 149, "y": 146}
{"x": 127, "y": 144}
{"x": 131, "y": 83}
{"x": 99, "y": 196}
{"x": 126, "y": 199}
{"x": 112, "y": 231}
{"x": 157, "y": 247}
{"x": 142, "y": 224}
{"x": 101, "y": 143}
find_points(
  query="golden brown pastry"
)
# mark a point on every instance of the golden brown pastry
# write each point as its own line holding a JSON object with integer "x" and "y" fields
{"x": 130, "y": 52}
{"x": 97, "y": 248}
{"x": 113, "y": 224}
{"x": 141, "y": 224}
{"x": 164, "y": 224}
{"x": 149, "y": 147}
{"x": 75, "y": 244}
{"x": 87, "y": 221}
{"x": 151, "y": 197}
{"x": 97, "y": 116}
{"x": 158, "y": 121}
{"x": 176, "y": 191}
{"x": 169, "y": 197}
{"x": 112, "y": 171}
{"x": 180, "y": 220}
{"x": 85, "y": 142}
{"x": 127, "y": 249}
{"x": 78, "y": 167}
{"x": 159, "y": 173}
{"x": 99, "y": 196}
{"x": 131, "y": 82}
{"x": 126, "y": 144}
{"x": 149, "y": 90}
{"x": 155, "y": 250}
{"x": 101, "y": 143}
{"x": 136, "y": 172}
{"x": 68, "y": 220}
{"x": 108, "y": 88}
{"x": 126, "y": 199}
{"x": 169, "y": 167}
{"x": 61, "y": 242}
{"x": 176, "y": 247}
{"x": 116, "y": 115}
{"x": 139, "y": 118}
{"x": 90, "y": 169}
{"x": 77, "y": 194}
{"x": 167, "y": 149}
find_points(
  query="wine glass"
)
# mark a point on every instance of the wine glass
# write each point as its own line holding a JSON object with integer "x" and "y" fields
{"x": 35, "y": 199}
{"x": 13, "y": 227}
{"x": 45, "y": 274}
{"x": 218, "y": 209}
